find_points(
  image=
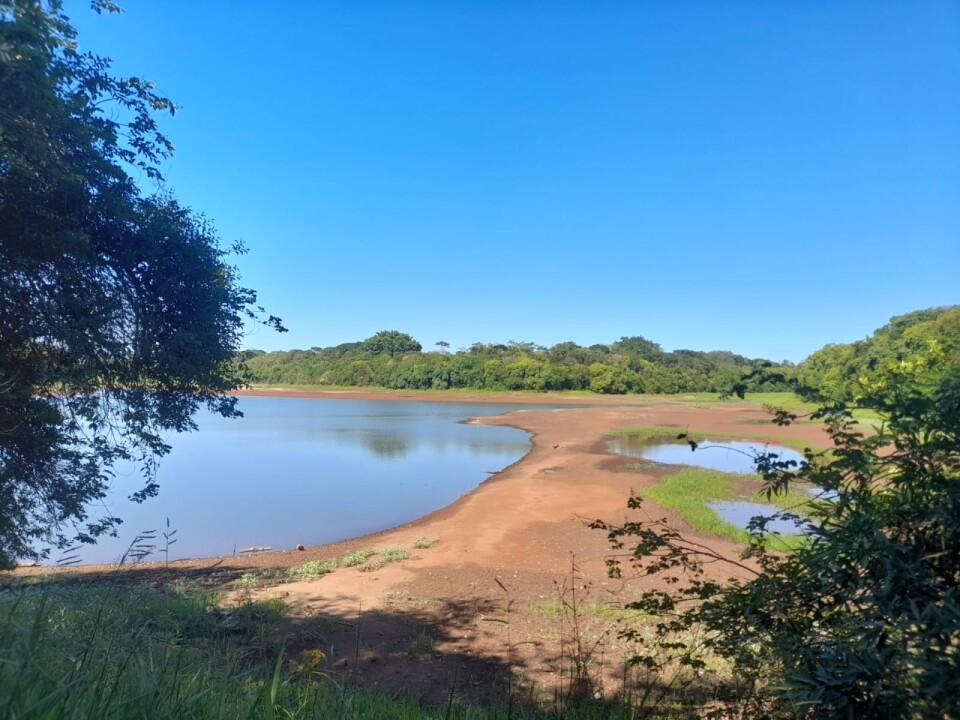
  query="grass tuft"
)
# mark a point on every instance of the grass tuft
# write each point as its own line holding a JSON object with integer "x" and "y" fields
{"x": 422, "y": 543}
{"x": 392, "y": 554}
{"x": 357, "y": 558}
{"x": 312, "y": 570}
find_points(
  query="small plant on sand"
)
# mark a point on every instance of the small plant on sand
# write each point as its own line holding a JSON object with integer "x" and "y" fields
{"x": 422, "y": 543}
{"x": 357, "y": 558}
{"x": 248, "y": 582}
{"x": 311, "y": 570}
{"x": 392, "y": 554}
{"x": 422, "y": 644}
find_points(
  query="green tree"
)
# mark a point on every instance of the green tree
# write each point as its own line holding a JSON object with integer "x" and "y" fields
{"x": 840, "y": 371}
{"x": 862, "y": 620}
{"x": 637, "y": 345}
{"x": 119, "y": 313}
{"x": 391, "y": 342}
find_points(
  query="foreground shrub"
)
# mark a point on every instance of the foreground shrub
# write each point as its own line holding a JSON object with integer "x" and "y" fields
{"x": 860, "y": 621}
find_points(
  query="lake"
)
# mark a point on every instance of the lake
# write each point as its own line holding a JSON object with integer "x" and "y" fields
{"x": 309, "y": 471}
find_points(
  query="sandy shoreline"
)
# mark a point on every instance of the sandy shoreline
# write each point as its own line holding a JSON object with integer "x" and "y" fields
{"x": 522, "y": 529}
{"x": 574, "y": 438}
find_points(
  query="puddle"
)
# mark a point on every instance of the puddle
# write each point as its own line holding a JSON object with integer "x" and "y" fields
{"x": 740, "y": 512}
{"x": 732, "y": 456}
{"x": 821, "y": 494}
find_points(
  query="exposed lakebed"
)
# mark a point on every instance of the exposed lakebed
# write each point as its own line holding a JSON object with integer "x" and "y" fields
{"x": 310, "y": 471}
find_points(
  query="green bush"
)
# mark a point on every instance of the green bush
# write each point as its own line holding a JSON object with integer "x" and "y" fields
{"x": 357, "y": 558}
{"x": 861, "y": 620}
{"x": 312, "y": 570}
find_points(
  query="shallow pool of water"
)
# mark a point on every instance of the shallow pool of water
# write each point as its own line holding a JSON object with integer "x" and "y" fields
{"x": 309, "y": 471}
{"x": 740, "y": 512}
{"x": 732, "y": 456}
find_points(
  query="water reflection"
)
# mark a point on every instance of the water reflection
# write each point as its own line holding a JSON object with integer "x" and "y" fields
{"x": 741, "y": 512}
{"x": 310, "y": 471}
{"x": 731, "y": 456}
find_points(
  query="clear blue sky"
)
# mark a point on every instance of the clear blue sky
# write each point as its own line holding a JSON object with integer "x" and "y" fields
{"x": 762, "y": 177}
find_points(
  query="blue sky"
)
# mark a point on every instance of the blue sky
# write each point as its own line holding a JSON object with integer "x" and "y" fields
{"x": 761, "y": 177}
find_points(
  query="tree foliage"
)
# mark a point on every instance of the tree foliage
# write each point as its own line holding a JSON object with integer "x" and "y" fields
{"x": 842, "y": 372}
{"x": 861, "y": 621}
{"x": 119, "y": 312}
{"x": 390, "y": 342}
{"x": 393, "y": 359}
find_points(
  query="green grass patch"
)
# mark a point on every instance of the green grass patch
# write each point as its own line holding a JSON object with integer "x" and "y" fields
{"x": 690, "y": 491}
{"x": 394, "y": 553}
{"x": 357, "y": 558}
{"x": 591, "y": 609}
{"x": 311, "y": 570}
{"x": 422, "y": 543}
{"x": 391, "y": 554}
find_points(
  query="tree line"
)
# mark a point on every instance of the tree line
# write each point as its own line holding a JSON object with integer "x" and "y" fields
{"x": 393, "y": 359}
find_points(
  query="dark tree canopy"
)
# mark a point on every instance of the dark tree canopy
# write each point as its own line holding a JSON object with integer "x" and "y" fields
{"x": 119, "y": 314}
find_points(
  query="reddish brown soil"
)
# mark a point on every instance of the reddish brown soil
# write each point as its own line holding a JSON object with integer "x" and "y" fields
{"x": 480, "y": 606}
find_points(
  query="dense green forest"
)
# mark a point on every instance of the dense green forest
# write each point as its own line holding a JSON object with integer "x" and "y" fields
{"x": 845, "y": 371}
{"x": 393, "y": 359}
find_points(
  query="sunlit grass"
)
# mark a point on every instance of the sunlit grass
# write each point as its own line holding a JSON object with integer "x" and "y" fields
{"x": 592, "y": 608}
{"x": 117, "y": 652}
{"x": 357, "y": 558}
{"x": 690, "y": 491}
{"x": 311, "y": 570}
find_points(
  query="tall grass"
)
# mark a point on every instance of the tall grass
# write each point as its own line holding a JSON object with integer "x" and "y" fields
{"x": 118, "y": 652}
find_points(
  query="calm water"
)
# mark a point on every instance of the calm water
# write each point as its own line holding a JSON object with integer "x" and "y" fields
{"x": 732, "y": 456}
{"x": 311, "y": 471}
{"x": 740, "y": 513}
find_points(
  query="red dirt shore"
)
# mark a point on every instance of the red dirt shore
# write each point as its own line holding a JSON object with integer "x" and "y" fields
{"x": 480, "y": 606}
